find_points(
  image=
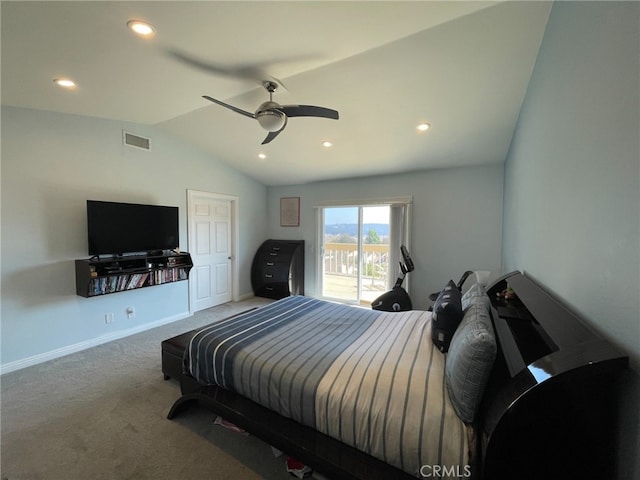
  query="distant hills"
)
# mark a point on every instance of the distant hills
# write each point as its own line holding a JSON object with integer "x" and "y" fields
{"x": 352, "y": 229}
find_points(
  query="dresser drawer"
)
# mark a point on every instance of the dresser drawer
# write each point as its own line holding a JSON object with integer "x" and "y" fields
{"x": 275, "y": 275}
{"x": 276, "y": 290}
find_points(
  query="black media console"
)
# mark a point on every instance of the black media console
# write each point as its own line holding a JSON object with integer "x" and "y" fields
{"x": 101, "y": 276}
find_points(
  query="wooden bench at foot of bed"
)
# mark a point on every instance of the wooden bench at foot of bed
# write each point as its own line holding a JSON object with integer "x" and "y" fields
{"x": 172, "y": 352}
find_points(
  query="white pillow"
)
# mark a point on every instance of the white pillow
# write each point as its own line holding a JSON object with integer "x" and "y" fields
{"x": 475, "y": 294}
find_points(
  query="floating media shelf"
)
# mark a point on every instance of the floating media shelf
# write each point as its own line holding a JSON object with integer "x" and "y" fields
{"x": 98, "y": 276}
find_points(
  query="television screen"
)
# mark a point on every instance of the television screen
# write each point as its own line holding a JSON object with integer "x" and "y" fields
{"x": 117, "y": 228}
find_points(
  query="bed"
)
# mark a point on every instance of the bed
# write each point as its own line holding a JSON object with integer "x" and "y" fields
{"x": 358, "y": 393}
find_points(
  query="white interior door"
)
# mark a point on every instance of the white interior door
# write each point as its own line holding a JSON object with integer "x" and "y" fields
{"x": 210, "y": 245}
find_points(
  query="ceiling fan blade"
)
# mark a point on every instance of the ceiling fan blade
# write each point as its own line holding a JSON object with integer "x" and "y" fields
{"x": 273, "y": 135}
{"x": 309, "y": 111}
{"x": 270, "y": 137}
{"x": 195, "y": 62}
{"x": 230, "y": 107}
{"x": 255, "y": 73}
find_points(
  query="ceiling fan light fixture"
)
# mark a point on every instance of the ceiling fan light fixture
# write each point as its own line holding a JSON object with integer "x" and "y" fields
{"x": 271, "y": 120}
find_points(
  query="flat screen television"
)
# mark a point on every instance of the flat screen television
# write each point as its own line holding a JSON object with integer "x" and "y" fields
{"x": 117, "y": 228}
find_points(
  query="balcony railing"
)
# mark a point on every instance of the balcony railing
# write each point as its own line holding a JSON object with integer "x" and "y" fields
{"x": 341, "y": 265}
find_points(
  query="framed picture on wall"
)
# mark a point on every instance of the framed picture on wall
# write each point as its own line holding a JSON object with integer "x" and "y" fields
{"x": 290, "y": 212}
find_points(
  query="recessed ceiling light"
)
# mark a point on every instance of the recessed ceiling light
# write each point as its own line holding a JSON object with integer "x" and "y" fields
{"x": 327, "y": 144}
{"x": 262, "y": 156}
{"x": 143, "y": 29}
{"x": 65, "y": 83}
{"x": 423, "y": 127}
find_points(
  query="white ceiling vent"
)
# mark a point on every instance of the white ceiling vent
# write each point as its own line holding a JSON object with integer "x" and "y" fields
{"x": 136, "y": 141}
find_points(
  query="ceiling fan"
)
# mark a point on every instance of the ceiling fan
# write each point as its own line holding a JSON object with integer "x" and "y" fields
{"x": 273, "y": 117}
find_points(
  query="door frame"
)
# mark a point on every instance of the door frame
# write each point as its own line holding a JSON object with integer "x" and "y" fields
{"x": 234, "y": 200}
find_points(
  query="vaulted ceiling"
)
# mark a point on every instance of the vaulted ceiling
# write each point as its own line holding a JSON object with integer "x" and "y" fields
{"x": 463, "y": 67}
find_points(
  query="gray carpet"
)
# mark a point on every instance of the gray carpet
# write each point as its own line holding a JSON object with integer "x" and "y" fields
{"x": 101, "y": 414}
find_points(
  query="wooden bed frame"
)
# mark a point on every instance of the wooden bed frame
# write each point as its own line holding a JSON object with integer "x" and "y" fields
{"x": 548, "y": 411}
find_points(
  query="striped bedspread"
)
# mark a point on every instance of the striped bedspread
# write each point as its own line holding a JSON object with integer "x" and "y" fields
{"x": 370, "y": 379}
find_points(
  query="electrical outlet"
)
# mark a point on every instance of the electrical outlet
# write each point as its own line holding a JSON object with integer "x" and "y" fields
{"x": 131, "y": 312}
{"x": 108, "y": 318}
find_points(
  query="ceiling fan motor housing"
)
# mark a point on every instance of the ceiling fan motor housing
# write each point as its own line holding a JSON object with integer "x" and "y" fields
{"x": 269, "y": 117}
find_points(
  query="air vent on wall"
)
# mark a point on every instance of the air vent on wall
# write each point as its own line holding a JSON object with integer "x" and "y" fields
{"x": 136, "y": 141}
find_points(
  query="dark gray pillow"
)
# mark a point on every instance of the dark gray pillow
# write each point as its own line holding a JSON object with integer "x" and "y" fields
{"x": 447, "y": 314}
{"x": 469, "y": 361}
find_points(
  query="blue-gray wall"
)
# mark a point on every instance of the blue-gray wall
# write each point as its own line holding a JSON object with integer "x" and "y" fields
{"x": 51, "y": 164}
{"x": 572, "y": 182}
{"x": 456, "y": 218}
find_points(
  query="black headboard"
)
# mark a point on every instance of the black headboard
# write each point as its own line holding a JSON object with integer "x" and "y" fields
{"x": 548, "y": 411}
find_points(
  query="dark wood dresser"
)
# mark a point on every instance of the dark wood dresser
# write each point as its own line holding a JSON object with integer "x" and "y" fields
{"x": 278, "y": 269}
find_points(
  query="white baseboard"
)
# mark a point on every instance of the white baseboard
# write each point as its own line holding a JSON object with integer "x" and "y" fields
{"x": 93, "y": 342}
{"x": 244, "y": 297}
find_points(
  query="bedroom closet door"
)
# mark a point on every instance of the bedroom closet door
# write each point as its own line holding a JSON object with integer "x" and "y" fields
{"x": 211, "y": 248}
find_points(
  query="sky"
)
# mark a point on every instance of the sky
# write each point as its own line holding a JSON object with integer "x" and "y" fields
{"x": 333, "y": 216}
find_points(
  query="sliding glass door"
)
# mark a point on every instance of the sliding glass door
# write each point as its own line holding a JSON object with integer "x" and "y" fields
{"x": 340, "y": 254}
{"x": 355, "y": 252}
